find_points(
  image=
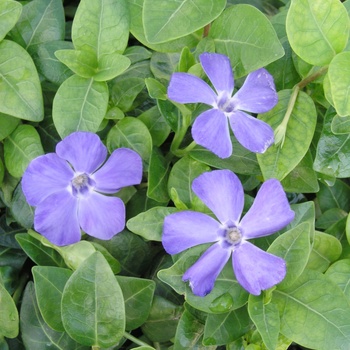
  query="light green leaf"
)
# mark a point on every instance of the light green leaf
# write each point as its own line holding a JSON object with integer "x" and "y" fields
{"x": 314, "y": 312}
{"x": 49, "y": 283}
{"x": 10, "y": 12}
{"x": 137, "y": 29}
{"x": 79, "y": 104}
{"x": 333, "y": 151}
{"x": 317, "y": 29}
{"x": 138, "y": 297}
{"x": 339, "y": 78}
{"x": 41, "y": 21}
{"x": 93, "y": 305}
{"x": 167, "y": 20}
{"x": 22, "y": 146}
{"x": 8, "y": 124}
{"x": 110, "y": 66}
{"x": 266, "y": 319}
{"x": 8, "y": 315}
{"x": 340, "y": 125}
{"x": 131, "y": 133}
{"x": 149, "y": 224}
{"x": 21, "y": 94}
{"x": 101, "y": 27}
{"x": 278, "y": 162}
{"x": 249, "y": 46}
{"x": 339, "y": 273}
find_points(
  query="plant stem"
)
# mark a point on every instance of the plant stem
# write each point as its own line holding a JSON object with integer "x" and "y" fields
{"x": 135, "y": 340}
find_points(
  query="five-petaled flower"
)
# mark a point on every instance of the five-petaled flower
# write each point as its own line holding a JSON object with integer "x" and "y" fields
{"x": 222, "y": 192}
{"x": 210, "y": 129}
{"x": 66, "y": 186}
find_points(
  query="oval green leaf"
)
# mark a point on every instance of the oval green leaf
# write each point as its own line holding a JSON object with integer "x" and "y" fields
{"x": 93, "y": 305}
{"x": 10, "y": 12}
{"x": 79, "y": 104}
{"x": 8, "y": 314}
{"x": 317, "y": 29}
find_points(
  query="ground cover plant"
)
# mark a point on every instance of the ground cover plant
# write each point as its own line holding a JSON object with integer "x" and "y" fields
{"x": 174, "y": 174}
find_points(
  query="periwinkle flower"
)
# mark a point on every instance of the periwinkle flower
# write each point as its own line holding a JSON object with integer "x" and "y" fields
{"x": 210, "y": 129}
{"x": 66, "y": 188}
{"x": 222, "y": 192}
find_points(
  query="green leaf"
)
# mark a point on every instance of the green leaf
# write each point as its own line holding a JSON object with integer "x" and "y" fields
{"x": 92, "y": 304}
{"x": 22, "y": 212}
{"x": 149, "y": 224}
{"x": 277, "y": 162}
{"x": 10, "y": 12}
{"x": 336, "y": 196}
{"x": 249, "y": 46}
{"x": 162, "y": 320}
{"x": 221, "y": 329}
{"x": 8, "y": 315}
{"x": 40, "y": 254}
{"x": 137, "y": 29}
{"x": 241, "y": 161}
{"x": 340, "y": 125}
{"x": 131, "y": 133}
{"x": 302, "y": 179}
{"x": 110, "y": 66}
{"x": 294, "y": 247}
{"x": 156, "y": 124}
{"x": 79, "y": 104}
{"x": 266, "y": 319}
{"x": 158, "y": 172}
{"x": 35, "y": 333}
{"x": 8, "y": 124}
{"x": 156, "y": 89}
{"x": 21, "y": 95}
{"x": 49, "y": 283}
{"x": 101, "y": 27}
{"x": 138, "y": 297}
{"x": 339, "y": 78}
{"x": 313, "y": 297}
{"x": 181, "y": 176}
{"x": 165, "y": 21}
{"x": 22, "y": 146}
{"x": 317, "y": 29}
{"x": 330, "y": 217}
{"x": 338, "y": 273}
{"x": 2, "y": 171}
{"x": 41, "y": 21}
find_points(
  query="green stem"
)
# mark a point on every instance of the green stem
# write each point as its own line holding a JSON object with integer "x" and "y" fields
{"x": 312, "y": 77}
{"x": 135, "y": 340}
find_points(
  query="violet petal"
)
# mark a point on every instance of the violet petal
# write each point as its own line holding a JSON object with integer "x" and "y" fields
{"x": 101, "y": 216}
{"x": 258, "y": 93}
{"x": 255, "y": 269}
{"x": 187, "y": 88}
{"x": 218, "y": 68}
{"x": 210, "y": 130}
{"x": 252, "y": 133}
{"x": 187, "y": 229}
{"x": 83, "y": 150}
{"x": 203, "y": 273}
{"x": 56, "y": 218}
{"x": 269, "y": 213}
{"x": 123, "y": 168}
{"x": 44, "y": 176}
{"x": 222, "y": 192}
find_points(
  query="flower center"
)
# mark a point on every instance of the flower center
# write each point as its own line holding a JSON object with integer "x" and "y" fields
{"x": 81, "y": 184}
{"x": 225, "y": 104}
{"x": 233, "y": 236}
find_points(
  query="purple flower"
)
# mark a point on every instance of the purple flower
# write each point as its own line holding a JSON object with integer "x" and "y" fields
{"x": 222, "y": 192}
{"x": 210, "y": 129}
{"x": 66, "y": 186}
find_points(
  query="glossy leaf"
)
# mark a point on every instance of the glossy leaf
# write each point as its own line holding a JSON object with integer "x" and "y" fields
{"x": 79, "y": 104}
{"x": 313, "y": 297}
{"x": 277, "y": 162}
{"x": 338, "y": 273}
{"x": 138, "y": 297}
{"x": 336, "y": 196}
{"x": 10, "y": 12}
{"x": 21, "y": 95}
{"x": 339, "y": 78}
{"x": 92, "y": 304}
{"x": 101, "y": 27}
{"x": 165, "y": 21}
{"x": 49, "y": 283}
{"x": 249, "y": 47}
{"x": 317, "y": 29}
{"x": 8, "y": 315}
{"x": 22, "y": 146}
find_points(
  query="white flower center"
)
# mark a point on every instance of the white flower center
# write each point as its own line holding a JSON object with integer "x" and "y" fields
{"x": 225, "y": 104}
{"x": 233, "y": 236}
{"x": 81, "y": 184}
